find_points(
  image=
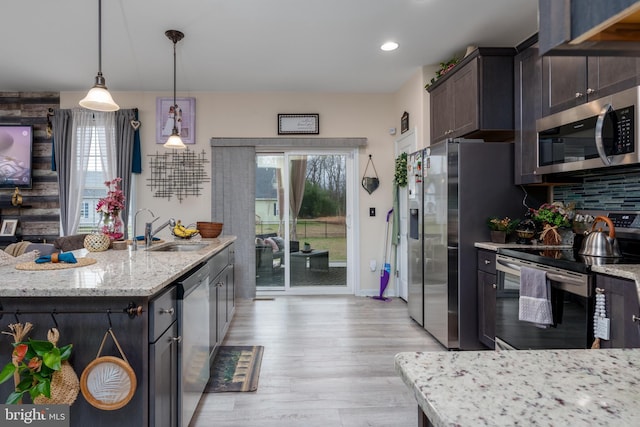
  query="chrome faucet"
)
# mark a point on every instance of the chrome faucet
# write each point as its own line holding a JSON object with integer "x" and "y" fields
{"x": 135, "y": 218}
{"x": 148, "y": 234}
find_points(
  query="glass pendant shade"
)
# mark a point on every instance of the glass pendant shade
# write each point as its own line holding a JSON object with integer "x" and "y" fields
{"x": 99, "y": 98}
{"x": 174, "y": 141}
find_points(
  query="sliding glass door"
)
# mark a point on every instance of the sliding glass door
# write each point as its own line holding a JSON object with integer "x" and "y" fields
{"x": 302, "y": 236}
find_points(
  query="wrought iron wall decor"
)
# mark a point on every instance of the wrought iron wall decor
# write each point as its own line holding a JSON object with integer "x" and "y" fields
{"x": 177, "y": 173}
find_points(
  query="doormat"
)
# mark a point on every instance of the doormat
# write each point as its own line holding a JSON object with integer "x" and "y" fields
{"x": 235, "y": 368}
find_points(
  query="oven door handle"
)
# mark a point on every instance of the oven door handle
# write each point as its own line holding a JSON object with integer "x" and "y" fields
{"x": 507, "y": 267}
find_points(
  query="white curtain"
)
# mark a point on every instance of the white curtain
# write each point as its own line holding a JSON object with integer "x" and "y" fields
{"x": 83, "y": 124}
{"x": 107, "y": 121}
{"x": 91, "y": 128}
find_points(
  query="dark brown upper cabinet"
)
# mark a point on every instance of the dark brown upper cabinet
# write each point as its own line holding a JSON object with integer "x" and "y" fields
{"x": 589, "y": 27}
{"x": 528, "y": 109}
{"x": 475, "y": 99}
{"x": 569, "y": 81}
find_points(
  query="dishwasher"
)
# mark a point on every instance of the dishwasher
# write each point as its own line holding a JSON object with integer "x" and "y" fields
{"x": 193, "y": 354}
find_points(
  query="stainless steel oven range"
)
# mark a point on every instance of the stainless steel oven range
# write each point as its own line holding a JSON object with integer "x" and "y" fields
{"x": 572, "y": 289}
{"x": 571, "y": 301}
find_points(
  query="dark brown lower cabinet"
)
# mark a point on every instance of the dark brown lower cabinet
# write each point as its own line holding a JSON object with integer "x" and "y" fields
{"x": 623, "y": 310}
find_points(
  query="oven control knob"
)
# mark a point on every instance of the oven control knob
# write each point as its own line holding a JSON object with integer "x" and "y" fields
{"x": 494, "y": 286}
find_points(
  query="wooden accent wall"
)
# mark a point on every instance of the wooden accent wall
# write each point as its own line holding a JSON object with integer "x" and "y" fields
{"x": 39, "y": 219}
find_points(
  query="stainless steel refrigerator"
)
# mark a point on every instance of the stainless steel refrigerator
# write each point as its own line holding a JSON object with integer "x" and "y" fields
{"x": 414, "y": 241}
{"x": 464, "y": 183}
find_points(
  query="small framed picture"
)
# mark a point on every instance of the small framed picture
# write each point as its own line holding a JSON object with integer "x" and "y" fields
{"x": 8, "y": 227}
{"x": 184, "y": 114}
{"x": 404, "y": 122}
{"x": 298, "y": 124}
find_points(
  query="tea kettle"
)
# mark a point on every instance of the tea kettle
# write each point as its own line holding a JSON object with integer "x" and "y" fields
{"x": 600, "y": 244}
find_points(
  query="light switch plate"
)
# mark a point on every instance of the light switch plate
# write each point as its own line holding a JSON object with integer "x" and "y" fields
{"x": 372, "y": 211}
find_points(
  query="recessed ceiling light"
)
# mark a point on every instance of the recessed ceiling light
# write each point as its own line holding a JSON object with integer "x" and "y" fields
{"x": 388, "y": 46}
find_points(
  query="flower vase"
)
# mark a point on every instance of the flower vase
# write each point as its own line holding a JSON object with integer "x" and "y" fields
{"x": 498, "y": 236}
{"x": 112, "y": 225}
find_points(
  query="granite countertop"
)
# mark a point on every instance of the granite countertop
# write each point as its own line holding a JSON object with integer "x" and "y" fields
{"x": 117, "y": 273}
{"x": 542, "y": 387}
{"x": 491, "y": 246}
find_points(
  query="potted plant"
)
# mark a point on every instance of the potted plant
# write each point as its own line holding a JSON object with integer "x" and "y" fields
{"x": 33, "y": 364}
{"x": 555, "y": 219}
{"x": 501, "y": 228}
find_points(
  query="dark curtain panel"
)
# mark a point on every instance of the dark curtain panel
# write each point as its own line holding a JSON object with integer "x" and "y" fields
{"x": 125, "y": 139}
{"x": 62, "y": 122}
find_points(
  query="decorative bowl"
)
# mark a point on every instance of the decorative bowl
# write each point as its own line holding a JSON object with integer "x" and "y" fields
{"x": 209, "y": 229}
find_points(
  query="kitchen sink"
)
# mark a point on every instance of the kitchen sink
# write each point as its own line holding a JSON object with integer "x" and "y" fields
{"x": 178, "y": 247}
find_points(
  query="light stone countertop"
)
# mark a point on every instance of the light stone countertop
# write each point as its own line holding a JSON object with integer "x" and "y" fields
{"x": 525, "y": 387}
{"x": 117, "y": 273}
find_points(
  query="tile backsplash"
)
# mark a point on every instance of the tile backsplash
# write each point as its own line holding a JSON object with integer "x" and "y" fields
{"x": 618, "y": 192}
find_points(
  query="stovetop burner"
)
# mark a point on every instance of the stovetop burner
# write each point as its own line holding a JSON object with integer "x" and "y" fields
{"x": 627, "y": 226}
{"x": 567, "y": 259}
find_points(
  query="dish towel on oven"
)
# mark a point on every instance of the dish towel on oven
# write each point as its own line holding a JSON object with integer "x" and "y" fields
{"x": 535, "y": 294}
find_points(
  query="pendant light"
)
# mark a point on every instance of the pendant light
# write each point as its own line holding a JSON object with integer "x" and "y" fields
{"x": 99, "y": 98}
{"x": 174, "y": 140}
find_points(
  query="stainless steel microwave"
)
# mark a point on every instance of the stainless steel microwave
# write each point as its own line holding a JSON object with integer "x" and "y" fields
{"x": 597, "y": 134}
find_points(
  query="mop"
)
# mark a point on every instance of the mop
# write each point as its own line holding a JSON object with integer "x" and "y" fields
{"x": 385, "y": 272}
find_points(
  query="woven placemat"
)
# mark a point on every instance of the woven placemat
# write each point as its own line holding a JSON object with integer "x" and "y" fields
{"x": 33, "y": 266}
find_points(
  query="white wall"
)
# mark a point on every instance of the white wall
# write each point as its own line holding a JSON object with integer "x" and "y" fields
{"x": 255, "y": 115}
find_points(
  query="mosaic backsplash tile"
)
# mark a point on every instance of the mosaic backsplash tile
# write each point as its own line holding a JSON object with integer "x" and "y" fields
{"x": 619, "y": 192}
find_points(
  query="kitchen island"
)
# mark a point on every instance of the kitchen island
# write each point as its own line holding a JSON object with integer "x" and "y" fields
{"x": 507, "y": 388}
{"x": 135, "y": 294}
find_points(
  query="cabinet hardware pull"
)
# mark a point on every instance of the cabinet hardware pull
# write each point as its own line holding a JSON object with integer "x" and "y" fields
{"x": 177, "y": 339}
{"x": 635, "y": 318}
{"x": 590, "y": 91}
{"x": 494, "y": 286}
{"x": 220, "y": 284}
{"x": 486, "y": 261}
{"x": 579, "y": 94}
{"x": 167, "y": 311}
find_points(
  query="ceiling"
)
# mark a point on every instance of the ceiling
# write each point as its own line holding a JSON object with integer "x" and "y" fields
{"x": 246, "y": 45}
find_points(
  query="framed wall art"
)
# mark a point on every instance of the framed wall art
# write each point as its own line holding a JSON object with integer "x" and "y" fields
{"x": 298, "y": 124}
{"x": 404, "y": 122}
{"x": 184, "y": 112}
{"x": 8, "y": 227}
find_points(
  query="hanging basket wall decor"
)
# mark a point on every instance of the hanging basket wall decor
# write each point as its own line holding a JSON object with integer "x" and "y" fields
{"x": 370, "y": 183}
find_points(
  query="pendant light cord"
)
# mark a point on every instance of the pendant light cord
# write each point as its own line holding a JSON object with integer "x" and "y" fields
{"x": 100, "y": 37}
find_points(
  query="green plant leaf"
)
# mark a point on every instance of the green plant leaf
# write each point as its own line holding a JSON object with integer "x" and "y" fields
{"x": 25, "y": 384}
{"x": 7, "y": 372}
{"x": 15, "y": 397}
{"x": 65, "y": 352}
{"x": 40, "y": 347}
{"x": 52, "y": 359}
{"x": 43, "y": 388}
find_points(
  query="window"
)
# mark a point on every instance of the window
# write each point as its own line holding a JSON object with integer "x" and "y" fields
{"x": 84, "y": 210}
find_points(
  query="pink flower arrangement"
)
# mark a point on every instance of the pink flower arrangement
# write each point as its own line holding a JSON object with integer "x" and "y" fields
{"x": 110, "y": 207}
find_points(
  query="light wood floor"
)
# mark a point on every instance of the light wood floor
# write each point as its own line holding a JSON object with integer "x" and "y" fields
{"x": 328, "y": 362}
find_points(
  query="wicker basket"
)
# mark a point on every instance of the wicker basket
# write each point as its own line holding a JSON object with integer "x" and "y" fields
{"x": 209, "y": 229}
{"x": 97, "y": 242}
